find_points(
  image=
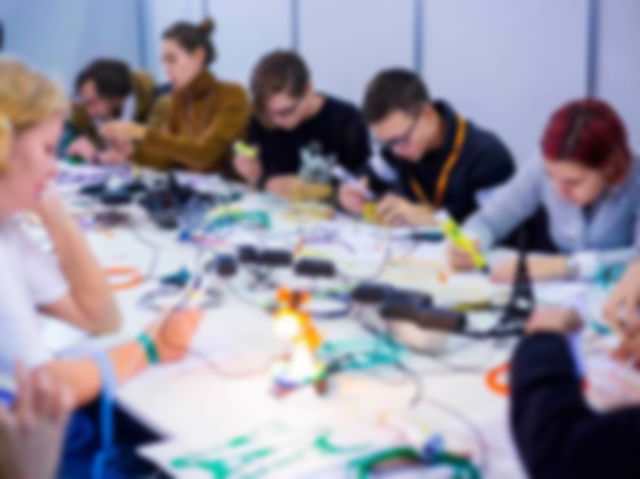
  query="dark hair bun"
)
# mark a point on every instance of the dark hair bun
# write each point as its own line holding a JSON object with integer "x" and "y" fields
{"x": 207, "y": 26}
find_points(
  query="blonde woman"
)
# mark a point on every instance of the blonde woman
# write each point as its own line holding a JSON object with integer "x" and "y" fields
{"x": 68, "y": 284}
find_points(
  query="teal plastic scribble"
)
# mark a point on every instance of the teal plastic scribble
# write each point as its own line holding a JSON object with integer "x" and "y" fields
{"x": 263, "y": 452}
{"x": 260, "y": 219}
{"x": 462, "y": 467}
{"x": 361, "y": 355}
{"x": 608, "y": 276}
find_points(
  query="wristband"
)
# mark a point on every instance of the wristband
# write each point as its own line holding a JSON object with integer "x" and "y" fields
{"x": 149, "y": 348}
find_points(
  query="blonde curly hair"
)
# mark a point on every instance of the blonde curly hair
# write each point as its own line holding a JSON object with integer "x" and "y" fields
{"x": 26, "y": 98}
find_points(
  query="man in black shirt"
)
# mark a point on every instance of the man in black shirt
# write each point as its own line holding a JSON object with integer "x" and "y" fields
{"x": 431, "y": 157}
{"x": 299, "y": 135}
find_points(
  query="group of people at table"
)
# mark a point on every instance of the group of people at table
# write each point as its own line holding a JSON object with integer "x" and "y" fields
{"x": 582, "y": 188}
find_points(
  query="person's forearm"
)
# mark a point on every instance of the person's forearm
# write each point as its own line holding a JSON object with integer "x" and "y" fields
{"x": 203, "y": 154}
{"x": 87, "y": 281}
{"x": 83, "y": 376}
{"x": 550, "y": 268}
{"x": 590, "y": 264}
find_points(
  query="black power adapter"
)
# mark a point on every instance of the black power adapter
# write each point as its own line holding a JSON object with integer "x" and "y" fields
{"x": 370, "y": 293}
{"x": 417, "y": 307}
{"x": 267, "y": 257}
{"x": 224, "y": 265}
{"x": 315, "y": 268}
{"x": 275, "y": 258}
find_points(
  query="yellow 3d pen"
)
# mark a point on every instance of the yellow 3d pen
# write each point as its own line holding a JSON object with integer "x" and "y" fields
{"x": 454, "y": 233}
{"x": 244, "y": 149}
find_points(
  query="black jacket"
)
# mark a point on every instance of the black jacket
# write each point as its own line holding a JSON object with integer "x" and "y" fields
{"x": 484, "y": 163}
{"x": 557, "y": 434}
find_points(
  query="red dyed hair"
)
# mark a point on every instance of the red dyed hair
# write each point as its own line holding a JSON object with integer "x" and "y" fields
{"x": 590, "y": 133}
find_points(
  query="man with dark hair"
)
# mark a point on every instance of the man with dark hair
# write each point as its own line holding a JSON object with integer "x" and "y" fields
{"x": 431, "y": 157}
{"x": 108, "y": 90}
{"x": 298, "y": 136}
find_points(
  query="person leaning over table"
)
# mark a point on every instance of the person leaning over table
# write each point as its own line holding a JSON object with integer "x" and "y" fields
{"x": 557, "y": 433}
{"x": 432, "y": 157}
{"x": 107, "y": 90}
{"x": 587, "y": 180}
{"x": 69, "y": 284}
{"x": 206, "y": 115}
{"x": 300, "y": 135}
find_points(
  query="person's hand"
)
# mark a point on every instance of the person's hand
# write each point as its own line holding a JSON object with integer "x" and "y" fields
{"x": 352, "y": 197}
{"x": 554, "y": 320}
{"x": 459, "y": 259}
{"x": 248, "y": 168}
{"x": 174, "y": 334}
{"x": 123, "y": 131}
{"x": 621, "y": 308}
{"x": 82, "y": 147}
{"x": 51, "y": 206}
{"x": 117, "y": 153}
{"x": 282, "y": 185}
{"x": 629, "y": 348}
{"x": 540, "y": 269}
{"x": 111, "y": 157}
{"x": 31, "y": 433}
{"x": 394, "y": 210}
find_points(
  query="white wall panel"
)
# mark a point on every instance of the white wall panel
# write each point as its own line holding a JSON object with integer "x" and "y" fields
{"x": 506, "y": 64}
{"x": 619, "y": 61}
{"x": 246, "y": 30}
{"x": 60, "y": 36}
{"x": 347, "y": 41}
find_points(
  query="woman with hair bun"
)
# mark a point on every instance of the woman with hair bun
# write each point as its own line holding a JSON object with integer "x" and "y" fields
{"x": 589, "y": 184}
{"x": 207, "y": 115}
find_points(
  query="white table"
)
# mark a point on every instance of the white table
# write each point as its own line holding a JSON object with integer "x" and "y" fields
{"x": 200, "y": 403}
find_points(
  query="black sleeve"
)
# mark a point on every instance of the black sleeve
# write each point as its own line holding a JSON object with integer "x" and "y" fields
{"x": 256, "y": 134}
{"x": 254, "y": 131}
{"x": 494, "y": 164}
{"x": 557, "y": 434}
{"x": 354, "y": 147}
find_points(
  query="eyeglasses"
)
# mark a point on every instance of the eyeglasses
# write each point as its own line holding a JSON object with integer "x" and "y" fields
{"x": 400, "y": 140}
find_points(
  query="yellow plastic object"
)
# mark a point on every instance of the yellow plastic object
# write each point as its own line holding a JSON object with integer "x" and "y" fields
{"x": 244, "y": 149}
{"x": 303, "y": 191}
{"x": 455, "y": 234}
{"x": 370, "y": 212}
{"x": 300, "y": 366}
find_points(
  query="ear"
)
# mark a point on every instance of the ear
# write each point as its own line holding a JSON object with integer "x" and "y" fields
{"x": 308, "y": 89}
{"x": 201, "y": 55}
{"x": 429, "y": 111}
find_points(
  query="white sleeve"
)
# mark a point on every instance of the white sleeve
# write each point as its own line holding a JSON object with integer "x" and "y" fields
{"x": 20, "y": 334}
{"x": 46, "y": 282}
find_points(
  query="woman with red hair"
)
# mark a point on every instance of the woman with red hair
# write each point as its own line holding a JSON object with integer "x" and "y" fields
{"x": 589, "y": 184}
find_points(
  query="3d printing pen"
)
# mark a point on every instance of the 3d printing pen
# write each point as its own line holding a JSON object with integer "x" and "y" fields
{"x": 454, "y": 233}
{"x": 342, "y": 174}
{"x": 244, "y": 149}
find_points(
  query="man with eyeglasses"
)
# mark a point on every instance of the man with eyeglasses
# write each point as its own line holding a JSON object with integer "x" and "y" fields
{"x": 108, "y": 90}
{"x": 431, "y": 157}
{"x": 298, "y": 136}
